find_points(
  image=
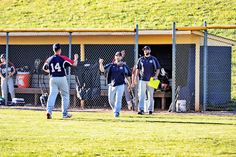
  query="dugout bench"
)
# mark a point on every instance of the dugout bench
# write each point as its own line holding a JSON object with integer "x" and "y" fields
{"x": 36, "y": 91}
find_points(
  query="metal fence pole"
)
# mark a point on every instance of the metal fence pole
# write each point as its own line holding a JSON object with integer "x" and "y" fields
{"x": 70, "y": 46}
{"x": 173, "y": 65}
{"x": 205, "y": 51}
{"x": 7, "y": 55}
{"x": 135, "y": 62}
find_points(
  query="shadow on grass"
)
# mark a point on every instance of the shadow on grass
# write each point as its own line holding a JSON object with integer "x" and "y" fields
{"x": 145, "y": 121}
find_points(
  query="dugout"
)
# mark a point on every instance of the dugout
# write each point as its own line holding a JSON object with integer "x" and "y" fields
{"x": 25, "y": 47}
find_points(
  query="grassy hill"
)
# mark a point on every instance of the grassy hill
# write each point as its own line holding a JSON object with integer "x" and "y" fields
{"x": 152, "y": 14}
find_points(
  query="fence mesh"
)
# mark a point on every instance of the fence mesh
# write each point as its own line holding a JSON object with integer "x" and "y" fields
{"x": 220, "y": 93}
{"x": 221, "y": 72}
{"x": 185, "y": 73}
{"x": 30, "y": 59}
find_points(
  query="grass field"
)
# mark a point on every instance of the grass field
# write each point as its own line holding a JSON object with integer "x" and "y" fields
{"x": 149, "y": 14}
{"x": 28, "y": 133}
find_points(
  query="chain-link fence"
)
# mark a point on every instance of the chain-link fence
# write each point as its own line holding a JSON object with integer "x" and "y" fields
{"x": 201, "y": 66}
{"x": 31, "y": 82}
{"x": 184, "y": 71}
{"x": 205, "y": 69}
{"x": 220, "y": 69}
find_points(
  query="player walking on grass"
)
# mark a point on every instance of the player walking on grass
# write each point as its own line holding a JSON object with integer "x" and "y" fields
{"x": 117, "y": 72}
{"x": 126, "y": 89}
{"x": 56, "y": 66}
{"x": 147, "y": 67}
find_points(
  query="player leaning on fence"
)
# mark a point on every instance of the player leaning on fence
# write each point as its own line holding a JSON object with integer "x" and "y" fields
{"x": 7, "y": 83}
{"x": 147, "y": 67}
{"x": 56, "y": 66}
{"x": 117, "y": 72}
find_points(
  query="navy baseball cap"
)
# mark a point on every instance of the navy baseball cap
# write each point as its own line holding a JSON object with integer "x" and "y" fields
{"x": 3, "y": 56}
{"x": 118, "y": 54}
{"x": 56, "y": 47}
{"x": 146, "y": 48}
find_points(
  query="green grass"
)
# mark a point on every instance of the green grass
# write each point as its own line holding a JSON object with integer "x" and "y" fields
{"x": 28, "y": 133}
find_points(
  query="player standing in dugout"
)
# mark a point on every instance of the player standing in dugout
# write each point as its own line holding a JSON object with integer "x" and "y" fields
{"x": 147, "y": 67}
{"x": 56, "y": 66}
{"x": 7, "y": 81}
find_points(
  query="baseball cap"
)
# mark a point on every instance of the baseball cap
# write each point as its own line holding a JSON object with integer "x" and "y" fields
{"x": 146, "y": 48}
{"x": 118, "y": 54}
{"x": 3, "y": 56}
{"x": 56, "y": 47}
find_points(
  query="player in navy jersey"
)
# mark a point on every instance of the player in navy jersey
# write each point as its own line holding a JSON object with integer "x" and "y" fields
{"x": 117, "y": 72}
{"x": 126, "y": 89}
{"x": 7, "y": 81}
{"x": 56, "y": 66}
{"x": 147, "y": 67}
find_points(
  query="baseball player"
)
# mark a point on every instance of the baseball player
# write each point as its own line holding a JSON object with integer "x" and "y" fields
{"x": 117, "y": 72}
{"x": 56, "y": 66}
{"x": 7, "y": 83}
{"x": 126, "y": 89}
{"x": 147, "y": 67}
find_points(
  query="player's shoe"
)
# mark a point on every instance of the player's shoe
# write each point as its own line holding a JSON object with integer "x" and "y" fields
{"x": 67, "y": 116}
{"x": 117, "y": 114}
{"x": 49, "y": 116}
{"x": 141, "y": 112}
{"x": 150, "y": 112}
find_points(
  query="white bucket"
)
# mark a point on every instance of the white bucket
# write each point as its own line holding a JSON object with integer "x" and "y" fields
{"x": 181, "y": 106}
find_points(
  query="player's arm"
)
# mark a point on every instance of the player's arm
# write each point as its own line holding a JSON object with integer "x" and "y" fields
{"x": 69, "y": 62}
{"x": 101, "y": 66}
{"x": 1, "y": 74}
{"x": 136, "y": 75}
{"x": 13, "y": 70}
{"x": 158, "y": 68}
{"x": 137, "y": 70}
{"x": 157, "y": 73}
{"x": 76, "y": 57}
{"x": 128, "y": 75}
{"x": 133, "y": 74}
{"x": 46, "y": 67}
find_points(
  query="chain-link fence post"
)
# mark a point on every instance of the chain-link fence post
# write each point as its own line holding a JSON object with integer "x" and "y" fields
{"x": 135, "y": 62}
{"x": 69, "y": 72}
{"x": 173, "y": 65}
{"x": 205, "y": 51}
{"x": 70, "y": 45}
{"x": 7, "y": 59}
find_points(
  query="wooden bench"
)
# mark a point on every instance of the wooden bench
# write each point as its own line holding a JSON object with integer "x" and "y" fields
{"x": 37, "y": 92}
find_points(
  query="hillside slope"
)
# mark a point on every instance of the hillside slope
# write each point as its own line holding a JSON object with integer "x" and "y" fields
{"x": 149, "y": 14}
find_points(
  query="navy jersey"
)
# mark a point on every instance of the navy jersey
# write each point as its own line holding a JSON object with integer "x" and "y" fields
{"x": 3, "y": 70}
{"x": 117, "y": 73}
{"x": 57, "y": 65}
{"x": 147, "y": 67}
